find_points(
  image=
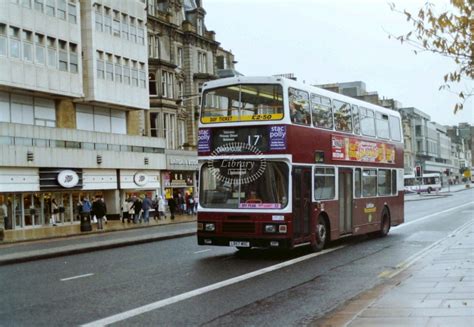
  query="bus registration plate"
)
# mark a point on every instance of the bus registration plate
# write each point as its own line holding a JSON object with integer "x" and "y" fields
{"x": 240, "y": 244}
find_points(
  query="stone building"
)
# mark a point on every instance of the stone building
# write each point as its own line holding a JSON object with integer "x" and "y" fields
{"x": 73, "y": 85}
{"x": 183, "y": 54}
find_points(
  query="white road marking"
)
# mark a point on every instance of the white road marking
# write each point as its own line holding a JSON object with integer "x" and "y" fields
{"x": 202, "y": 251}
{"x": 181, "y": 297}
{"x": 432, "y": 215}
{"x": 76, "y": 277}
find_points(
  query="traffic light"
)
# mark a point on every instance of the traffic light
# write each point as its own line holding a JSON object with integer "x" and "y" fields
{"x": 418, "y": 171}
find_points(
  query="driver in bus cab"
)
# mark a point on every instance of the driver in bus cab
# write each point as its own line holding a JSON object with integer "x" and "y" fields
{"x": 253, "y": 198}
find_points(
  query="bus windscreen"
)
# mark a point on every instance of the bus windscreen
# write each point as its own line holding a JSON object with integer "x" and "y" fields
{"x": 244, "y": 184}
{"x": 243, "y": 102}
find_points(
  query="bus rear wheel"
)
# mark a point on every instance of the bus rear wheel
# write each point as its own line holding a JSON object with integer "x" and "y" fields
{"x": 321, "y": 235}
{"x": 384, "y": 224}
{"x": 429, "y": 190}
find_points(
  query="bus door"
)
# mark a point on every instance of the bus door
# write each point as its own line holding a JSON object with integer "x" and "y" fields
{"x": 345, "y": 200}
{"x": 301, "y": 201}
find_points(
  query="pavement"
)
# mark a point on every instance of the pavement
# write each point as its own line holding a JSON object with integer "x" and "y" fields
{"x": 434, "y": 289}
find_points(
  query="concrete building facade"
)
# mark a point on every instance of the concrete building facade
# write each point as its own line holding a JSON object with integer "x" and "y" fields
{"x": 73, "y": 86}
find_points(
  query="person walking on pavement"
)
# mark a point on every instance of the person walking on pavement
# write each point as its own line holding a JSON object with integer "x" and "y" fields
{"x": 154, "y": 205}
{"x": 99, "y": 210}
{"x": 105, "y": 206}
{"x": 125, "y": 209}
{"x": 161, "y": 207}
{"x": 86, "y": 208}
{"x": 172, "y": 206}
{"x": 54, "y": 212}
{"x": 146, "y": 206}
{"x": 137, "y": 208}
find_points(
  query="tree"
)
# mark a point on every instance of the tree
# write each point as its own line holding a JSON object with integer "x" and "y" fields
{"x": 449, "y": 34}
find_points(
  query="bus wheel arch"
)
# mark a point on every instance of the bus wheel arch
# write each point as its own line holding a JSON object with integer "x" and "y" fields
{"x": 322, "y": 233}
{"x": 385, "y": 222}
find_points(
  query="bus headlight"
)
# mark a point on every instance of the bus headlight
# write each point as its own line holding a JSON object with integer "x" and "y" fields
{"x": 270, "y": 229}
{"x": 200, "y": 226}
{"x": 209, "y": 227}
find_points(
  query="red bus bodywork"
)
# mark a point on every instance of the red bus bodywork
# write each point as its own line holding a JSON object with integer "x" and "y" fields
{"x": 303, "y": 143}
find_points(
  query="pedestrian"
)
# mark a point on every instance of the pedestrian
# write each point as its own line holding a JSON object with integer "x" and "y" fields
{"x": 146, "y": 206}
{"x": 161, "y": 207}
{"x": 180, "y": 202}
{"x": 196, "y": 201}
{"x": 131, "y": 210}
{"x": 79, "y": 209}
{"x": 137, "y": 208}
{"x": 86, "y": 208}
{"x": 125, "y": 209}
{"x": 54, "y": 212}
{"x": 4, "y": 214}
{"x": 105, "y": 206}
{"x": 154, "y": 205}
{"x": 99, "y": 210}
{"x": 172, "y": 206}
{"x": 190, "y": 204}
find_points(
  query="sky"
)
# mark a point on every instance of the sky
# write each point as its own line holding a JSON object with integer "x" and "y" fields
{"x": 328, "y": 41}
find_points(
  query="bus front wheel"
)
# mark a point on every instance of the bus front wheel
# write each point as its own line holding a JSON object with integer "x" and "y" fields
{"x": 321, "y": 235}
{"x": 429, "y": 190}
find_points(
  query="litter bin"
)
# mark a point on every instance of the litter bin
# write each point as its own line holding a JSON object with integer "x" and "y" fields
{"x": 86, "y": 222}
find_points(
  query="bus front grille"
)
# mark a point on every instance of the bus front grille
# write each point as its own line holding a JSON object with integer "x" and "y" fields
{"x": 238, "y": 227}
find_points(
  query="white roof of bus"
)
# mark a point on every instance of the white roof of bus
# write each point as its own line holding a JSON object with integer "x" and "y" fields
{"x": 288, "y": 82}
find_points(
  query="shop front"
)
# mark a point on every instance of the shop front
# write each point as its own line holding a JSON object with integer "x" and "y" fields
{"x": 180, "y": 176}
{"x": 139, "y": 183}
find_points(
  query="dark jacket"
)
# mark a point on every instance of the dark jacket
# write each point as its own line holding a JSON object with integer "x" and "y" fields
{"x": 98, "y": 208}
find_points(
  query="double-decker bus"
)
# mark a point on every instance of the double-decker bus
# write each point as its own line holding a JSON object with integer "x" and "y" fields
{"x": 428, "y": 183}
{"x": 284, "y": 164}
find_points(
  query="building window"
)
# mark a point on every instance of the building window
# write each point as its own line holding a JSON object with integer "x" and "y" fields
{"x": 40, "y": 49}
{"x": 180, "y": 89}
{"x": 167, "y": 84}
{"x": 98, "y": 19}
{"x": 169, "y": 126}
{"x": 200, "y": 28}
{"x": 126, "y": 72}
{"x": 181, "y": 132}
{"x": 39, "y": 5}
{"x": 62, "y": 9}
{"x": 118, "y": 69}
{"x": 27, "y": 37}
{"x": 202, "y": 62}
{"x": 140, "y": 33}
{"x": 51, "y": 52}
{"x": 125, "y": 27}
{"x": 72, "y": 13}
{"x": 109, "y": 68}
{"x": 63, "y": 56}
{"x": 116, "y": 24}
{"x": 133, "y": 30}
{"x": 50, "y": 8}
{"x": 107, "y": 21}
{"x": 142, "y": 76}
{"x": 134, "y": 74}
{"x": 26, "y": 3}
{"x": 15, "y": 50}
{"x": 3, "y": 40}
{"x": 152, "y": 84}
{"x": 73, "y": 60}
{"x": 179, "y": 57}
{"x": 100, "y": 65}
